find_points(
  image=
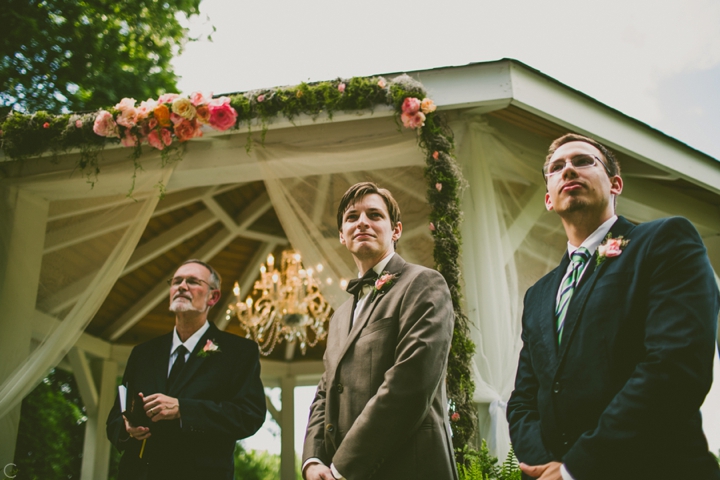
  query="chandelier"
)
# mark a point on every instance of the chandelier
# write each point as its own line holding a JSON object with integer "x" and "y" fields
{"x": 289, "y": 305}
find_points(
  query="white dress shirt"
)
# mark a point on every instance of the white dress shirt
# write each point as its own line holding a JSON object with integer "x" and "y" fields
{"x": 190, "y": 344}
{"x": 591, "y": 243}
{"x": 362, "y": 300}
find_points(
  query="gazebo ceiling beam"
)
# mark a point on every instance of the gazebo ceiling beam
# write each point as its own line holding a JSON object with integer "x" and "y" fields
{"x": 158, "y": 293}
{"x": 44, "y": 325}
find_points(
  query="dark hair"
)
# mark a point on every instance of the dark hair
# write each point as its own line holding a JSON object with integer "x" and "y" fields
{"x": 215, "y": 280}
{"x": 358, "y": 191}
{"x": 611, "y": 163}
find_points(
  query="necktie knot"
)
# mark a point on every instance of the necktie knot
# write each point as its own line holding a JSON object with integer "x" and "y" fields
{"x": 581, "y": 255}
{"x": 355, "y": 285}
{"x": 181, "y": 350}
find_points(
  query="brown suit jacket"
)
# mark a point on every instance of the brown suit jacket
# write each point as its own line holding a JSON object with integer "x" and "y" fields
{"x": 380, "y": 410}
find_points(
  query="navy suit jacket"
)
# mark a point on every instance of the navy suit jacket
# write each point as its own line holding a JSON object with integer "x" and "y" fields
{"x": 620, "y": 398}
{"x": 221, "y": 401}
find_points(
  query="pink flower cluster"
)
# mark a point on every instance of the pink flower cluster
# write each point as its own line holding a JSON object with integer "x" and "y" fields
{"x": 156, "y": 121}
{"x": 414, "y": 111}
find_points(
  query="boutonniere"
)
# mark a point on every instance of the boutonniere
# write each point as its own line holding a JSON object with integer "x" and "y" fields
{"x": 383, "y": 283}
{"x": 210, "y": 348}
{"x": 610, "y": 247}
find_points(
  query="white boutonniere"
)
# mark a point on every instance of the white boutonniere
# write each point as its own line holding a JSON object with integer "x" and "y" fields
{"x": 611, "y": 247}
{"x": 383, "y": 283}
{"x": 210, "y": 348}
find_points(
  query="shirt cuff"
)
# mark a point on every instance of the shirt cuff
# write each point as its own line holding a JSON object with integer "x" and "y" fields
{"x": 335, "y": 473}
{"x": 565, "y": 474}
{"x": 310, "y": 461}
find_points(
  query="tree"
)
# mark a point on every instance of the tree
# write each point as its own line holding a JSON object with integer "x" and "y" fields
{"x": 75, "y": 55}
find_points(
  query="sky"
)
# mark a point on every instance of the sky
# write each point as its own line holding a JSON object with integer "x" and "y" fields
{"x": 658, "y": 62}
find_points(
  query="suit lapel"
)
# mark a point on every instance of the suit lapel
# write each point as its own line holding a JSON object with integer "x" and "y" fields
{"x": 194, "y": 362}
{"x": 620, "y": 228}
{"x": 394, "y": 266}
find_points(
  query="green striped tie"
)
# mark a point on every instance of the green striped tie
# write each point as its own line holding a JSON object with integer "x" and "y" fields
{"x": 579, "y": 258}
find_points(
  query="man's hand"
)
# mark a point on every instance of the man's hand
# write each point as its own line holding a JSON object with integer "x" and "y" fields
{"x": 138, "y": 433}
{"x": 549, "y": 471}
{"x": 161, "y": 407}
{"x": 318, "y": 471}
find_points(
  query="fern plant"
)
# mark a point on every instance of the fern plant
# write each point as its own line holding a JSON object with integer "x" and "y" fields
{"x": 481, "y": 465}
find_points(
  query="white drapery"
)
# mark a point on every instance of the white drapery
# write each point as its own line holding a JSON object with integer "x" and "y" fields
{"x": 118, "y": 247}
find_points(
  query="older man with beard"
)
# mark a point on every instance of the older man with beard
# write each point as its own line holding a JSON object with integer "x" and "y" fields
{"x": 200, "y": 390}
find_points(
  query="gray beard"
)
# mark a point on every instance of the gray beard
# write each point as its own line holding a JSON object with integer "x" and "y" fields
{"x": 182, "y": 306}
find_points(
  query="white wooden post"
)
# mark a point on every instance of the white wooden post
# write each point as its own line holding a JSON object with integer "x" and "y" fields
{"x": 287, "y": 427}
{"x": 22, "y": 237}
{"x": 96, "y": 450}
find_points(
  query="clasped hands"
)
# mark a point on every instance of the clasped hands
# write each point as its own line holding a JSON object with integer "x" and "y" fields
{"x": 548, "y": 471}
{"x": 157, "y": 407}
{"x": 318, "y": 471}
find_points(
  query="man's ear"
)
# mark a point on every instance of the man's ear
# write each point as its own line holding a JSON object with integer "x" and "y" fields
{"x": 397, "y": 232}
{"x": 342, "y": 238}
{"x": 214, "y": 297}
{"x": 616, "y": 185}
{"x": 548, "y": 202}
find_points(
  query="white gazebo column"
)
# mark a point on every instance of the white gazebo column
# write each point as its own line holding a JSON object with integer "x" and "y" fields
{"x": 96, "y": 450}
{"x": 22, "y": 237}
{"x": 287, "y": 427}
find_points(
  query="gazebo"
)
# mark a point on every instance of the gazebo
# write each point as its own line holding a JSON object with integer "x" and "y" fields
{"x": 83, "y": 266}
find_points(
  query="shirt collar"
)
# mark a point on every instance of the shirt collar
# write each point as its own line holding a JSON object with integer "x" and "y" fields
{"x": 191, "y": 342}
{"x": 380, "y": 266}
{"x": 595, "y": 238}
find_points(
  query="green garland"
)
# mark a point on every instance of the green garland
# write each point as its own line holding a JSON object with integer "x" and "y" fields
{"x": 30, "y": 135}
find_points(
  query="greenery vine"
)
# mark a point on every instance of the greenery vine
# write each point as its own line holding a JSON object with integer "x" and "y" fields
{"x": 24, "y": 136}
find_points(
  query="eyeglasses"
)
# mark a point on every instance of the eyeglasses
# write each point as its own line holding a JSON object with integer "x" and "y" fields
{"x": 578, "y": 162}
{"x": 189, "y": 281}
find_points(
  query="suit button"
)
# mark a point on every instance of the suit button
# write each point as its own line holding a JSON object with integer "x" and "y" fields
{"x": 330, "y": 428}
{"x": 340, "y": 388}
{"x": 556, "y": 387}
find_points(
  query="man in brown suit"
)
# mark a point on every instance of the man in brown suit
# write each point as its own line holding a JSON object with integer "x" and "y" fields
{"x": 380, "y": 411}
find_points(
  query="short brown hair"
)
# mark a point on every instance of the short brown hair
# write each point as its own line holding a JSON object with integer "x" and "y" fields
{"x": 612, "y": 167}
{"x": 358, "y": 191}
{"x": 215, "y": 280}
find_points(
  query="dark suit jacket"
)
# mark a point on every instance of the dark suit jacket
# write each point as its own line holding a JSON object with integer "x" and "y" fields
{"x": 620, "y": 398}
{"x": 380, "y": 411}
{"x": 221, "y": 401}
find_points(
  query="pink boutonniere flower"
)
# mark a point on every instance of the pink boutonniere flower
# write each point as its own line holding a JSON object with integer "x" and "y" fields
{"x": 210, "y": 348}
{"x": 383, "y": 283}
{"x": 611, "y": 247}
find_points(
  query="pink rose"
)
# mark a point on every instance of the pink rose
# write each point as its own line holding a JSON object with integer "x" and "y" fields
{"x": 455, "y": 417}
{"x": 438, "y": 187}
{"x": 222, "y": 116}
{"x": 105, "y": 125}
{"x": 145, "y": 108}
{"x": 218, "y": 102}
{"x": 436, "y": 155}
{"x": 160, "y": 139}
{"x": 199, "y": 98}
{"x": 341, "y": 87}
{"x": 127, "y": 118}
{"x": 129, "y": 140}
{"x": 187, "y": 129}
{"x": 125, "y": 104}
{"x": 385, "y": 279}
{"x": 261, "y": 98}
{"x": 175, "y": 118}
{"x": 210, "y": 346}
{"x": 611, "y": 248}
{"x": 78, "y": 124}
{"x": 427, "y": 106}
{"x": 410, "y": 105}
{"x": 431, "y": 227}
{"x": 382, "y": 83}
{"x": 413, "y": 120}
{"x": 46, "y": 125}
{"x": 167, "y": 98}
{"x": 152, "y": 123}
{"x": 166, "y": 136}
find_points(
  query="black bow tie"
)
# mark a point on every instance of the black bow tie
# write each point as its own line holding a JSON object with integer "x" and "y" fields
{"x": 355, "y": 285}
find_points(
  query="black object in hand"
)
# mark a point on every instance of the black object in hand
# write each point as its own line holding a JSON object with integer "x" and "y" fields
{"x": 135, "y": 412}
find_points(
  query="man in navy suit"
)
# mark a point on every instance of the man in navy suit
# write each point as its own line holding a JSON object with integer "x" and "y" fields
{"x": 200, "y": 390}
{"x": 618, "y": 340}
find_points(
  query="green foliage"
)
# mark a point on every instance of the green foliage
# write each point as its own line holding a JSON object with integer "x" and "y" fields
{"x": 52, "y": 430}
{"x": 73, "y": 55}
{"x": 480, "y": 465}
{"x": 254, "y": 465}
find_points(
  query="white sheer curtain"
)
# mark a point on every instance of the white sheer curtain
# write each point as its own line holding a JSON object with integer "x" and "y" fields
{"x": 64, "y": 253}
